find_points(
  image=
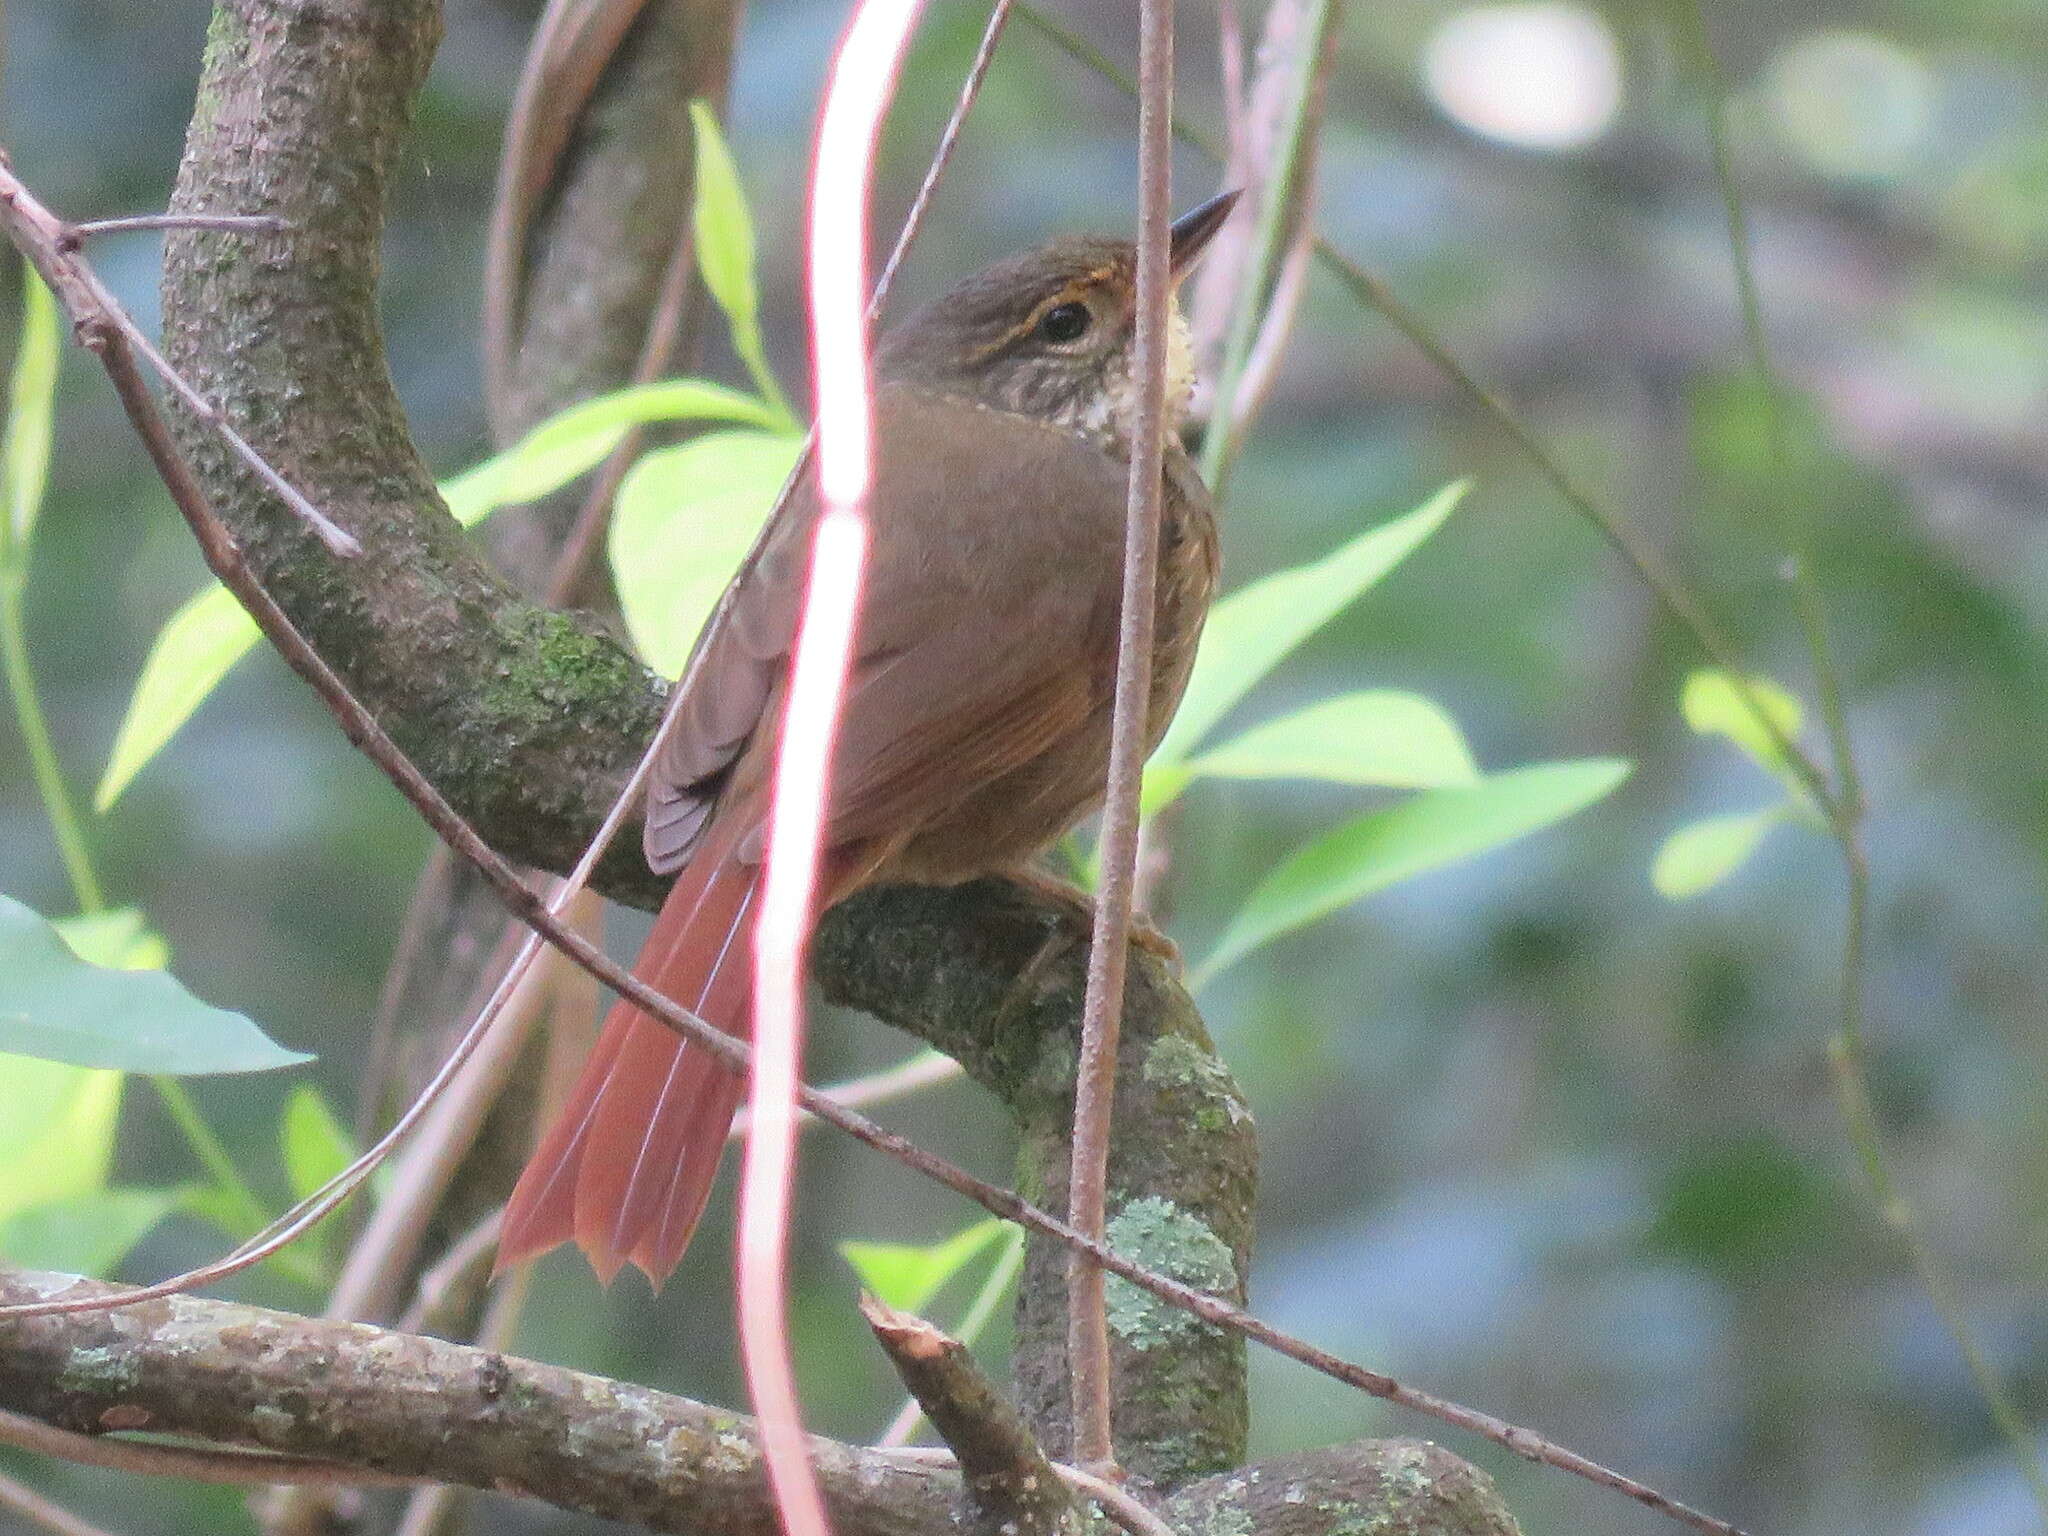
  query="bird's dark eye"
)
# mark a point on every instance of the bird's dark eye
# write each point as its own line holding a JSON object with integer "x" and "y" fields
{"x": 1065, "y": 322}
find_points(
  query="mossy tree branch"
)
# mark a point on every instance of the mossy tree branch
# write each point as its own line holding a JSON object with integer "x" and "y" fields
{"x": 407, "y": 1406}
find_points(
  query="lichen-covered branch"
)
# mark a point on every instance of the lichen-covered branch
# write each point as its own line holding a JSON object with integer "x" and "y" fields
{"x": 996, "y": 982}
{"x": 411, "y": 1406}
{"x": 1010, "y": 1486}
{"x": 1365, "y": 1488}
{"x": 396, "y": 1404}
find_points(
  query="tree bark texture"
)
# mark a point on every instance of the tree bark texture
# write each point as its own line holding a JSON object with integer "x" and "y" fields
{"x": 419, "y": 1407}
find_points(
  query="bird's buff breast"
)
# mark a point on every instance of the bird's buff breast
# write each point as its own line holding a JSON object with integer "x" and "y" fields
{"x": 1006, "y": 823}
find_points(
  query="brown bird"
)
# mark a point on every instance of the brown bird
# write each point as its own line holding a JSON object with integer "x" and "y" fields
{"x": 977, "y": 720}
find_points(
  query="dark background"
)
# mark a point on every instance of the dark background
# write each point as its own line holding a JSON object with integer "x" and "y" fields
{"x": 1534, "y": 1138}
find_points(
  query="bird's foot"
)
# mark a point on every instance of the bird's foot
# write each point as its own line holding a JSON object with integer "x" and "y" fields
{"x": 1077, "y": 907}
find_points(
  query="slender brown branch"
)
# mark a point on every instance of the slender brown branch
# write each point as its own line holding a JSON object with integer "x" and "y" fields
{"x": 232, "y": 223}
{"x": 1011, "y": 1488}
{"x": 942, "y": 152}
{"x": 53, "y": 248}
{"x": 1102, "y": 1012}
{"x": 199, "y": 1464}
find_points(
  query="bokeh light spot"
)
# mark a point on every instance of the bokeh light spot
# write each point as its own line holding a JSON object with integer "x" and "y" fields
{"x": 1541, "y": 75}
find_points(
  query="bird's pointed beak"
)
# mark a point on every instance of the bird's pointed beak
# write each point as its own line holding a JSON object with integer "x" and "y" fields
{"x": 1193, "y": 231}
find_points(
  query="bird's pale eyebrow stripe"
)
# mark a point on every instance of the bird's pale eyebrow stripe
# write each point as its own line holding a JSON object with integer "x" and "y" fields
{"x": 1081, "y": 287}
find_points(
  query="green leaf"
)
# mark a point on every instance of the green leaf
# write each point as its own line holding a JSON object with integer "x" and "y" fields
{"x": 1380, "y": 736}
{"x": 220, "y": 1207}
{"x": 686, "y": 518}
{"x": 1701, "y": 854}
{"x": 87, "y": 1234}
{"x": 723, "y": 231}
{"x": 25, "y": 454}
{"x": 1714, "y": 706}
{"x": 1252, "y": 631}
{"x": 1425, "y": 832}
{"x": 56, "y": 1131}
{"x": 119, "y": 940}
{"x": 192, "y": 653}
{"x": 57, "y": 1007}
{"x": 906, "y": 1277}
{"x": 204, "y": 639}
{"x": 722, "y": 225}
{"x": 577, "y": 440}
{"x": 312, "y": 1140}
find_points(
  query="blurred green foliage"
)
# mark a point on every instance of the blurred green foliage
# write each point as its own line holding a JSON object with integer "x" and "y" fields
{"x": 1533, "y": 1136}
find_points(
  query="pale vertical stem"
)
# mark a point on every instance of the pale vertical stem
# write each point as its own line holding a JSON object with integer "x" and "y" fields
{"x": 1292, "y": 152}
{"x": 842, "y": 162}
{"x": 1102, "y": 1012}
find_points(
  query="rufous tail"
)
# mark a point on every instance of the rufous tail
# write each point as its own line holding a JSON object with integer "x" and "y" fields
{"x": 626, "y": 1169}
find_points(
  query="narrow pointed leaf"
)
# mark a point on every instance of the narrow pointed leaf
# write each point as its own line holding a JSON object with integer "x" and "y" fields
{"x": 191, "y": 654}
{"x": 577, "y": 440}
{"x": 55, "y": 1006}
{"x": 686, "y": 518}
{"x": 1381, "y": 736}
{"x": 1425, "y": 832}
{"x": 722, "y": 224}
{"x": 1701, "y": 854}
{"x": 906, "y": 1276}
{"x": 1253, "y": 630}
{"x": 25, "y": 455}
{"x": 314, "y": 1144}
{"x": 1714, "y": 706}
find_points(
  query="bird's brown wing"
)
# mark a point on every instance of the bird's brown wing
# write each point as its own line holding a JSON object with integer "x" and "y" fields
{"x": 987, "y": 628}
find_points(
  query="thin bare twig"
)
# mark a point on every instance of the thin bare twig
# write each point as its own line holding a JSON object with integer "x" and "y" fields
{"x": 79, "y": 290}
{"x": 1102, "y": 1009}
{"x": 942, "y": 153}
{"x": 224, "y": 223}
{"x": 200, "y": 1464}
{"x": 927, "y": 1069}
